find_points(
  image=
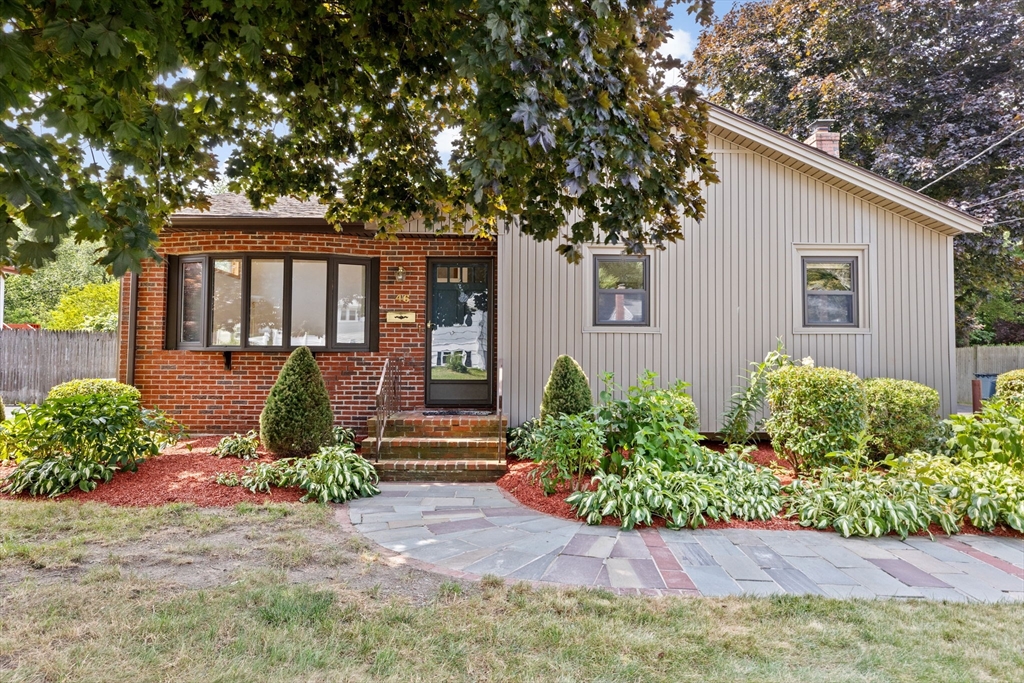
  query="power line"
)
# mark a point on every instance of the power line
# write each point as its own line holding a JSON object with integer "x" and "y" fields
{"x": 976, "y": 156}
{"x": 1012, "y": 220}
{"x": 989, "y": 201}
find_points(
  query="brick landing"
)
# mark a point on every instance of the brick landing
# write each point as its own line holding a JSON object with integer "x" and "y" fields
{"x": 469, "y": 530}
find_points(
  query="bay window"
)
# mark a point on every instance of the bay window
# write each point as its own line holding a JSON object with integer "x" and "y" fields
{"x": 272, "y": 302}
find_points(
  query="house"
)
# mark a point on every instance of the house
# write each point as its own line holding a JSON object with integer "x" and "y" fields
{"x": 842, "y": 265}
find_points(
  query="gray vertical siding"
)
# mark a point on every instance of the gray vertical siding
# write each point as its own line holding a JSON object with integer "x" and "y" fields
{"x": 724, "y": 295}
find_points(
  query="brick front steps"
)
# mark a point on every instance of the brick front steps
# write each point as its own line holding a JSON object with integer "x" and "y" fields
{"x": 418, "y": 446}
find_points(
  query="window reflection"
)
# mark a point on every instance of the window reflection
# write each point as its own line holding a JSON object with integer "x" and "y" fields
{"x": 266, "y": 302}
{"x": 227, "y": 302}
{"x": 351, "y": 304}
{"x": 192, "y": 302}
{"x": 309, "y": 303}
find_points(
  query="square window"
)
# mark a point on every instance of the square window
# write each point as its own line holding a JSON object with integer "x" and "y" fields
{"x": 622, "y": 291}
{"x": 830, "y": 291}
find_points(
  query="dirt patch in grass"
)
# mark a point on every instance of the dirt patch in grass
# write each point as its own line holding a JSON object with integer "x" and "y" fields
{"x": 59, "y": 542}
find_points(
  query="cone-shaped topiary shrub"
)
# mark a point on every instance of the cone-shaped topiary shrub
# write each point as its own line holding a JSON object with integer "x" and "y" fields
{"x": 902, "y": 416}
{"x": 297, "y": 418}
{"x": 1010, "y": 383}
{"x": 567, "y": 391}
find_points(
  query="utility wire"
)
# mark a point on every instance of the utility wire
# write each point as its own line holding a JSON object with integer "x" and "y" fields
{"x": 1012, "y": 220}
{"x": 989, "y": 201}
{"x": 975, "y": 157}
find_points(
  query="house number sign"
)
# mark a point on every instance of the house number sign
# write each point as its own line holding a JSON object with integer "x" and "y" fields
{"x": 404, "y": 298}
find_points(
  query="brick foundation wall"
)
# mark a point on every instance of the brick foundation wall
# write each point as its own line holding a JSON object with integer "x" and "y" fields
{"x": 195, "y": 388}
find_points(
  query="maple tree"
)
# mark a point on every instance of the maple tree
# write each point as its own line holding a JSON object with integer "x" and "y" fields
{"x": 917, "y": 87}
{"x": 113, "y": 109}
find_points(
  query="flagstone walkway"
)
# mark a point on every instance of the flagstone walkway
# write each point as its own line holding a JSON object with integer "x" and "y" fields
{"x": 471, "y": 530}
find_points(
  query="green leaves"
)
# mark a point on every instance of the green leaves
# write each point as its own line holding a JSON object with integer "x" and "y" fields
{"x": 334, "y": 474}
{"x": 77, "y": 440}
{"x": 241, "y": 446}
{"x": 343, "y": 103}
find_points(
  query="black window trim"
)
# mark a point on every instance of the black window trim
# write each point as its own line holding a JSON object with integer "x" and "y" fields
{"x": 646, "y": 291}
{"x": 854, "y": 292}
{"x": 175, "y": 283}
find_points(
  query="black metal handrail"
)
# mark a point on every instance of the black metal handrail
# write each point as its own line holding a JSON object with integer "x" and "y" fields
{"x": 388, "y": 399}
{"x": 500, "y": 399}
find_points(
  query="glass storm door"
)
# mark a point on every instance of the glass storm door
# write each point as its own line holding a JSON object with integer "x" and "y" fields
{"x": 460, "y": 330}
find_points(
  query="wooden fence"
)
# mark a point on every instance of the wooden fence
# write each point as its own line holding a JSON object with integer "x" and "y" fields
{"x": 983, "y": 360}
{"x": 34, "y": 361}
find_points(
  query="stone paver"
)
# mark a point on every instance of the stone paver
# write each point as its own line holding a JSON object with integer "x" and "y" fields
{"x": 470, "y": 530}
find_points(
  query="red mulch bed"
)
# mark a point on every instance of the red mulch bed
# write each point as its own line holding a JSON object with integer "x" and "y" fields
{"x": 179, "y": 476}
{"x": 526, "y": 490}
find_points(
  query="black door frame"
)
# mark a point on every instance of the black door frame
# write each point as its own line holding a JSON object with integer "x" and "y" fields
{"x": 489, "y": 401}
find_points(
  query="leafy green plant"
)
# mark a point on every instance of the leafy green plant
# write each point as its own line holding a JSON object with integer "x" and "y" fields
{"x": 815, "y": 411}
{"x": 334, "y": 474}
{"x": 455, "y": 363}
{"x": 648, "y": 421}
{"x": 57, "y": 475}
{"x": 902, "y": 416}
{"x": 342, "y": 436}
{"x": 519, "y": 439}
{"x": 716, "y": 486}
{"x": 1010, "y": 384}
{"x": 985, "y": 492}
{"x": 88, "y": 387}
{"x": 79, "y": 440}
{"x": 567, "y": 391}
{"x": 297, "y": 417}
{"x": 567, "y": 447}
{"x": 994, "y": 435}
{"x": 747, "y": 402}
{"x": 241, "y": 446}
{"x": 859, "y": 502}
{"x": 227, "y": 479}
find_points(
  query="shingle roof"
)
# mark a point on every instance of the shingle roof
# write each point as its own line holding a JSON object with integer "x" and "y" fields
{"x": 230, "y": 205}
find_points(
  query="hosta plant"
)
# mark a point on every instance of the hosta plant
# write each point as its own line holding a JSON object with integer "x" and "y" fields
{"x": 56, "y": 475}
{"x": 334, "y": 474}
{"x": 242, "y": 446}
{"x": 994, "y": 435}
{"x": 986, "y": 493}
{"x": 858, "y": 502}
{"x": 717, "y": 486}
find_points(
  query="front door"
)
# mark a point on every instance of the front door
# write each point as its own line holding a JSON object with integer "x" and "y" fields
{"x": 460, "y": 333}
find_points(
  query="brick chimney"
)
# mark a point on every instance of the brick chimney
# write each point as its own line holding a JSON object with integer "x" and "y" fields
{"x": 821, "y": 138}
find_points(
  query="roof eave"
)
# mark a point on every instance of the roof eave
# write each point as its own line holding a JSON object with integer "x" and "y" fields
{"x": 900, "y": 199}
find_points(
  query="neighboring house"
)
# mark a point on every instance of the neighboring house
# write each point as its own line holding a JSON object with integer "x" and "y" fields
{"x": 842, "y": 265}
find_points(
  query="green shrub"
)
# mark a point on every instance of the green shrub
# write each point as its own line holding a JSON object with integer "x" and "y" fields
{"x": 567, "y": 391}
{"x": 455, "y": 363}
{"x": 342, "y": 436}
{"x": 747, "y": 402}
{"x": 3, "y": 410}
{"x": 567, "y": 446}
{"x": 90, "y": 387}
{"x": 996, "y": 434}
{"x": 651, "y": 422}
{"x": 1010, "y": 383}
{"x": 241, "y": 446}
{"x": 520, "y": 439}
{"x": 297, "y": 418}
{"x": 92, "y": 307}
{"x": 80, "y": 440}
{"x": 815, "y": 411}
{"x": 902, "y": 416}
{"x": 334, "y": 474}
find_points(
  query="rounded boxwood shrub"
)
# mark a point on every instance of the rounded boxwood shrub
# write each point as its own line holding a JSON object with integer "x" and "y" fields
{"x": 297, "y": 418}
{"x": 567, "y": 391}
{"x": 902, "y": 416}
{"x": 815, "y": 411}
{"x": 94, "y": 387}
{"x": 1011, "y": 383}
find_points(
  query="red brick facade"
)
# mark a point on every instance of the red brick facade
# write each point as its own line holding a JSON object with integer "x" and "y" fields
{"x": 194, "y": 386}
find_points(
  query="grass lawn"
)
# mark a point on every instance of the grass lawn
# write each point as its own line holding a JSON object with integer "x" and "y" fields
{"x": 90, "y": 593}
{"x": 442, "y": 372}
